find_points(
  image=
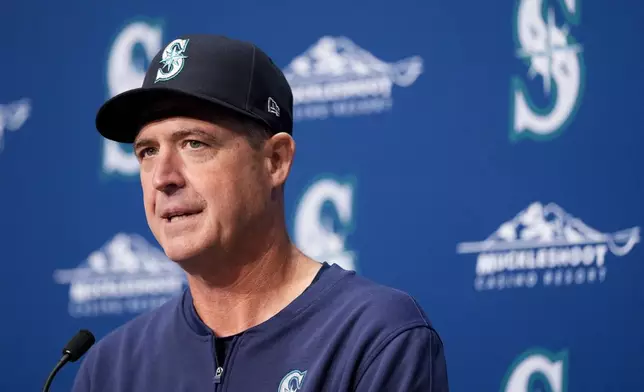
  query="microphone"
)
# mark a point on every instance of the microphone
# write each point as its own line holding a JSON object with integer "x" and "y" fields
{"x": 75, "y": 348}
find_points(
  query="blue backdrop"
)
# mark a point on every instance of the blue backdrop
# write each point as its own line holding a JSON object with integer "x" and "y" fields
{"x": 483, "y": 156}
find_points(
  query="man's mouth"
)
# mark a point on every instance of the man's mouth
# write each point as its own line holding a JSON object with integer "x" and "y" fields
{"x": 175, "y": 216}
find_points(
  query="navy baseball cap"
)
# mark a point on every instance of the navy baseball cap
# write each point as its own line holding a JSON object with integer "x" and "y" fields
{"x": 197, "y": 70}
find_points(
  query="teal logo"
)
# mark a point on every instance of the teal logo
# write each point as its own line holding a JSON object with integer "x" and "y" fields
{"x": 324, "y": 218}
{"x": 172, "y": 60}
{"x": 292, "y": 382}
{"x": 554, "y": 57}
{"x": 133, "y": 47}
{"x": 537, "y": 369}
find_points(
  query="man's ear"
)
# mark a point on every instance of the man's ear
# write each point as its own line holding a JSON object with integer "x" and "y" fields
{"x": 279, "y": 152}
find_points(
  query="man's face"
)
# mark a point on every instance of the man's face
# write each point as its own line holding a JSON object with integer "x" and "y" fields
{"x": 203, "y": 185}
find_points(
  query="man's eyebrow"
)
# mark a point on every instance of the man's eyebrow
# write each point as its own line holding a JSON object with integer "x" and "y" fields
{"x": 185, "y": 132}
{"x": 180, "y": 134}
{"x": 143, "y": 142}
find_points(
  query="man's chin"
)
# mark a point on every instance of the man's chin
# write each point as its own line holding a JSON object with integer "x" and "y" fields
{"x": 180, "y": 257}
{"x": 182, "y": 251}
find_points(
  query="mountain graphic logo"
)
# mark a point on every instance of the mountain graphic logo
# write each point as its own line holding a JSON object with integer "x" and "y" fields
{"x": 550, "y": 225}
{"x": 337, "y": 77}
{"x": 125, "y": 274}
{"x": 338, "y": 58}
{"x": 545, "y": 238}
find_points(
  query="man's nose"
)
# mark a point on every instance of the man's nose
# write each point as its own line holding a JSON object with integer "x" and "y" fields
{"x": 168, "y": 176}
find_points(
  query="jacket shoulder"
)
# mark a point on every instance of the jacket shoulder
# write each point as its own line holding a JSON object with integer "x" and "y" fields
{"x": 380, "y": 306}
{"x": 120, "y": 343}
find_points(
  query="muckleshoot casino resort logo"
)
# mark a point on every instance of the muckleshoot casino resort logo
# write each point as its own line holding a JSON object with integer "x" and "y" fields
{"x": 544, "y": 245}
{"x": 127, "y": 275}
{"x": 337, "y": 78}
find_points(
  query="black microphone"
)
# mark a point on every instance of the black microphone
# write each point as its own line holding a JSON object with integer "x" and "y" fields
{"x": 76, "y": 348}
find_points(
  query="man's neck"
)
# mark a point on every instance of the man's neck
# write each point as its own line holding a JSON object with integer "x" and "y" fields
{"x": 251, "y": 293}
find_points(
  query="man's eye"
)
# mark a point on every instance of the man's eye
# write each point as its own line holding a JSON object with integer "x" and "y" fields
{"x": 194, "y": 143}
{"x": 145, "y": 152}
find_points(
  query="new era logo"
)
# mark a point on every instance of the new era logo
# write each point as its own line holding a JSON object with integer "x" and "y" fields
{"x": 273, "y": 107}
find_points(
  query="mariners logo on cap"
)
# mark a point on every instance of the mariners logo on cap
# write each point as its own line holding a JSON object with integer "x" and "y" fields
{"x": 172, "y": 60}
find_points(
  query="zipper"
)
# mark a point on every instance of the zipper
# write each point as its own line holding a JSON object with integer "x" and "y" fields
{"x": 218, "y": 373}
{"x": 220, "y": 367}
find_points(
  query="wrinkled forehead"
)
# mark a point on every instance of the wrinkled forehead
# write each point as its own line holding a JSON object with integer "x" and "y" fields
{"x": 172, "y": 129}
{"x": 168, "y": 116}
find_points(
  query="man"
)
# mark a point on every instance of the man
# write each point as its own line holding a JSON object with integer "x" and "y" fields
{"x": 212, "y": 129}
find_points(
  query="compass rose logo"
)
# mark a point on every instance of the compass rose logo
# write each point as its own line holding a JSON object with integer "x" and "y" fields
{"x": 172, "y": 60}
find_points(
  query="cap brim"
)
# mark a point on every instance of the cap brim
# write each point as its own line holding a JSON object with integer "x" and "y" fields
{"x": 120, "y": 118}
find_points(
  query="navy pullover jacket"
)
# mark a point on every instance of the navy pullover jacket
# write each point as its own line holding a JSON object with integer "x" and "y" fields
{"x": 343, "y": 334}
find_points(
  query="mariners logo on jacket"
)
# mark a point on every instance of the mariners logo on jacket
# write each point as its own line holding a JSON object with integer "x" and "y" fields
{"x": 292, "y": 382}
